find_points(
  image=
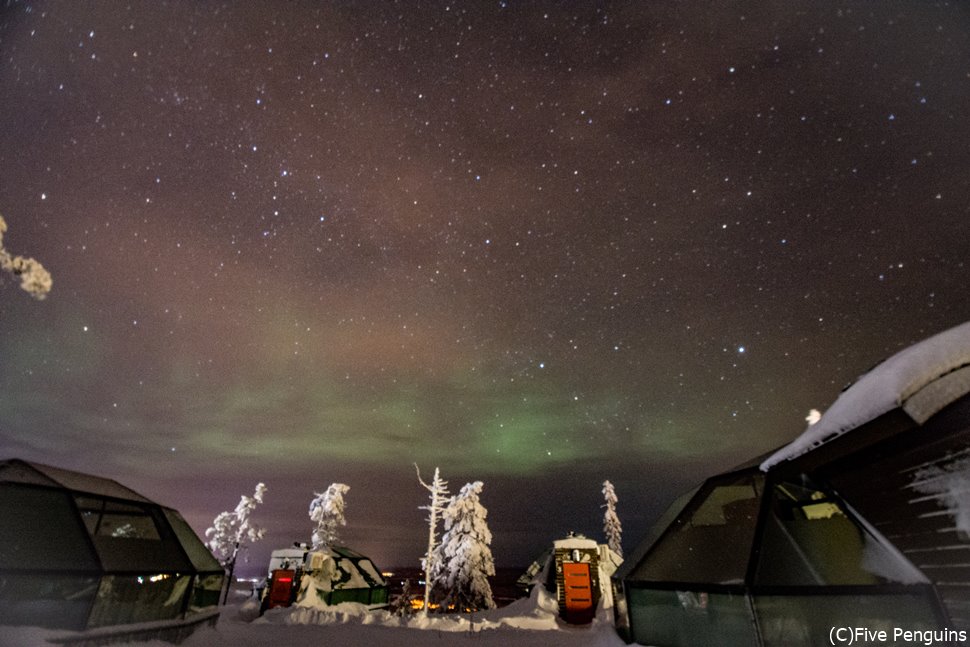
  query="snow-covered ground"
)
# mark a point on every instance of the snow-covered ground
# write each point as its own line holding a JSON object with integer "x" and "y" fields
{"x": 532, "y": 622}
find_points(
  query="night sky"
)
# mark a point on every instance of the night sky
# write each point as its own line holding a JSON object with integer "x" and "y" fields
{"x": 534, "y": 244}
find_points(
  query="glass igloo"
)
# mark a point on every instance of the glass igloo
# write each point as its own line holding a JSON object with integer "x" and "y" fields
{"x": 80, "y": 552}
{"x": 863, "y": 520}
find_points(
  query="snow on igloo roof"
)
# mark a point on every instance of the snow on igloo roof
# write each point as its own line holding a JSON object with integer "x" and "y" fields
{"x": 886, "y": 387}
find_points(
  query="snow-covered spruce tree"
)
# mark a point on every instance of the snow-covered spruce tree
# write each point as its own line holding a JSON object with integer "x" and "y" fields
{"x": 34, "y": 279}
{"x": 463, "y": 559}
{"x": 611, "y": 523}
{"x": 439, "y": 498}
{"x": 231, "y": 530}
{"x": 327, "y": 512}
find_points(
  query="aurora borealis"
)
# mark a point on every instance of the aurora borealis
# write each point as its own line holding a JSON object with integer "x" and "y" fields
{"x": 534, "y": 244}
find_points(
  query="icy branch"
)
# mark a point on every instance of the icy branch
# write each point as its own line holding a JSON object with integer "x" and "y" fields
{"x": 34, "y": 279}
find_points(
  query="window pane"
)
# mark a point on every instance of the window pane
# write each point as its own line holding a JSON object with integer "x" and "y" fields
{"x": 206, "y": 592}
{"x": 117, "y": 506}
{"x": 711, "y": 540}
{"x": 115, "y": 519}
{"x": 40, "y": 529}
{"x": 806, "y": 620}
{"x": 810, "y": 539}
{"x": 126, "y": 599}
{"x": 128, "y": 526}
{"x": 139, "y": 540}
{"x": 46, "y": 599}
{"x": 692, "y": 618}
{"x": 198, "y": 553}
{"x": 89, "y": 503}
{"x": 90, "y": 519}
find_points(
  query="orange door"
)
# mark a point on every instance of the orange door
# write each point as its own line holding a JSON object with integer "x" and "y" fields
{"x": 579, "y": 592}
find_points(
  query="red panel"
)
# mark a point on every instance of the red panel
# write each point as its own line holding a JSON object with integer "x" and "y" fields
{"x": 281, "y": 588}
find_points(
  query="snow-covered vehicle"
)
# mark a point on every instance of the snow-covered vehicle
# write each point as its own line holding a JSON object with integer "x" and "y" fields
{"x": 324, "y": 577}
{"x": 578, "y": 571}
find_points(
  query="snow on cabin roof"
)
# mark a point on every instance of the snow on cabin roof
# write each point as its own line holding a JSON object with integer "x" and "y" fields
{"x": 886, "y": 387}
{"x": 575, "y": 541}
